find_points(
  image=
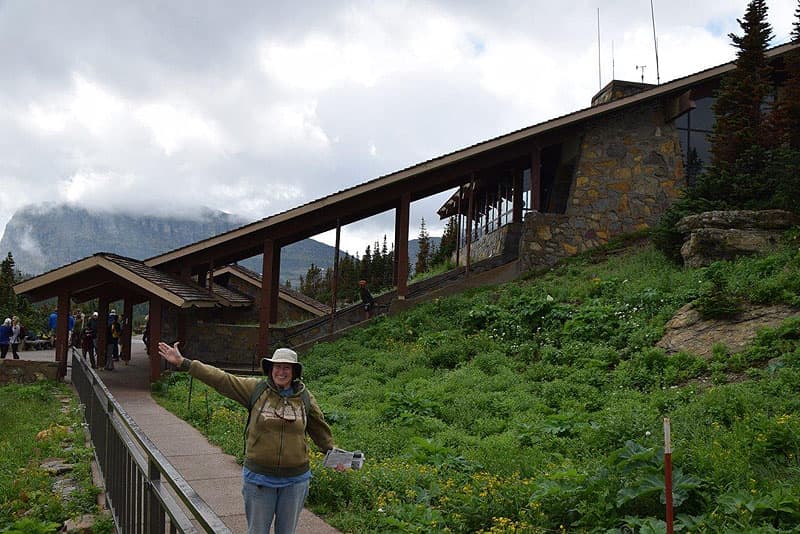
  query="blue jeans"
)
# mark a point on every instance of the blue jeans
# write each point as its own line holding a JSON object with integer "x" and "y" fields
{"x": 261, "y": 504}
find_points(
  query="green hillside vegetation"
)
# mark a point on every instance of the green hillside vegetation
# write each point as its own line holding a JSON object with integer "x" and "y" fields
{"x": 537, "y": 406}
{"x": 41, "y": 422}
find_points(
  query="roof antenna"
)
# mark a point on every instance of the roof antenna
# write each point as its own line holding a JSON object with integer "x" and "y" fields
{"x": 599, "y": 71}
{"x": 612, "y": 60}
{"x": 641, "y": 67}
{"x": 655, "y": 42}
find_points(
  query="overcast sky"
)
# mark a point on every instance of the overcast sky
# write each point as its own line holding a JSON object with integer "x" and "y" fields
{"x": 257, "y": 107}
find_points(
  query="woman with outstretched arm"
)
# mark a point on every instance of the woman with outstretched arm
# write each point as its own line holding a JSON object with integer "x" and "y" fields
{"x": 276, "y": 473}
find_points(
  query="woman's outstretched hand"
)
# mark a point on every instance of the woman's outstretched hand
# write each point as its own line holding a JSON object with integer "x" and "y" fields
{"x": 170, "y": 353}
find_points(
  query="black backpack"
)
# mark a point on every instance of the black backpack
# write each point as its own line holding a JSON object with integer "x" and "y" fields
{"x": 261, "y": 387}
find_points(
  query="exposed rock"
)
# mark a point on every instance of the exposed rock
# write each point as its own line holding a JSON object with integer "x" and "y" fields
{"x": 65, "y": 487}
{"x": 687, "y": 332}
{"x": 56, "y": 466}
{"x": 743, "y": 219}
{"x": 84, "y": 523}
{"x": 726, "y": 235}
{"x": 707, "y": 245}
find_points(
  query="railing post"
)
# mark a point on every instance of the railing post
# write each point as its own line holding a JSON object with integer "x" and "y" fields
{"x": 155, "y": 521}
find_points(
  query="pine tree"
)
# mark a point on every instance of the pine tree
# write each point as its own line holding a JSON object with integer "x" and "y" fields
{"x": 312, "y": 284}
{"x": 784, "y": 121}
{"x": 366, "y": 264}
{"x": 8, "y": 299}
{"x": 423, "y": 252}
{"x": 448, "y": 243}
{"x": 739, "y": 108}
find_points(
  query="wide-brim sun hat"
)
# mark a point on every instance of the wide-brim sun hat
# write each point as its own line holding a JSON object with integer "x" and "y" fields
{"x": 282, "y": 355}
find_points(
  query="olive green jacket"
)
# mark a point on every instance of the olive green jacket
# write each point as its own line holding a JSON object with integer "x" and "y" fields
{"x": 275, "y": 443}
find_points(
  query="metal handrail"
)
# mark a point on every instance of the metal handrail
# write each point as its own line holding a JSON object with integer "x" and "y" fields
{"x": 141, "y": 484}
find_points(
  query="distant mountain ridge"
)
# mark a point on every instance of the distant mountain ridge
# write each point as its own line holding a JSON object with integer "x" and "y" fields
{"x": 42, "y": 238}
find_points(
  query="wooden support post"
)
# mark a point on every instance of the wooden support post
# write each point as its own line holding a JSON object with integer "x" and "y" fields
{"x": 668, "y": 474}
{"x": 62, "y": 332}
{"x": 401, "y": 247}
{"x": 102, "y": 331}
{"x": 536, "y": 179}
{"x": 335, "y": 279}
{"x": 458, "y": 225}
{"x": 276, "y": 283}
{"x": 517, "y": 196}
{"x": 470, "y": 222}
{"x": 265, "y": 311}
{"x": 127, "y": 330}
{"x": 182, "y": 326}
{"x": 395, "y": 259}
{"x": 156, "y": 318}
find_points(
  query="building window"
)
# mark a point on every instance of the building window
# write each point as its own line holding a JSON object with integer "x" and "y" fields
{"x": 694, "y": 128}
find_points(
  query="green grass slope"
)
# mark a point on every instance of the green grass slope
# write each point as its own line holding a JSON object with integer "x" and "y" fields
{"x": 537, "y": 406}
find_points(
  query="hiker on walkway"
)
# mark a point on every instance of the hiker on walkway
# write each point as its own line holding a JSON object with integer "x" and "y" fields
{"x": 16, "y": 336}
{"x": 276, "y": 473}
{"x": 366, "y": 298}
{"x": 87, "y": 342}
{"x": 113, "y": 331}
{"x": 5, "y": 337}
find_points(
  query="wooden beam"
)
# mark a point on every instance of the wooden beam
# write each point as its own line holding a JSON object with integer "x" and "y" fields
{"x": 335, "y": 277}
{"x": 516, "y": 187}
{"x": 156, "y": 319}
{"x": 536, "y": 178}
{"x": 102, "y": 330}
{"x": 62, "y": 332}
{"x": 470, "y": 223}
{"x": 265, "y": 311}
{"x": 401, "y": 247}
{"x": 678, "y": 105}
{"x": 127, "y": 331}
{"x": 276, "y": 284}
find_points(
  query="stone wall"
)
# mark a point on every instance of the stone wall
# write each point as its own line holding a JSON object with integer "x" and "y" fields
{"x": 629, "y": 171}
{"x": 26, "y": 371}
{"x": 503, "y": 241}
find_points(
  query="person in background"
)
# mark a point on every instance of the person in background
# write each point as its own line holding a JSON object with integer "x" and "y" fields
{"x": 87, "y": 342}
{"x": 276, "y": 473}
{"x": 146, "y": 334}
{"x": 5, "y": 337}
{"x": 16, "y": 336}
{"x": 93, "y": 324}
{"x": 53, "y": 324}
{"x": 113, "y": 331}
{"x": 366, "y": 298}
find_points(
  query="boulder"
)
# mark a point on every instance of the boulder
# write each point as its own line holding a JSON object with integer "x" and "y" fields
{"x": 688, "y": 332}
{"x": 726, "y": 235}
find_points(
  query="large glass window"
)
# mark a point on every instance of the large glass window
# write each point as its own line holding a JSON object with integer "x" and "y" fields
{"x": 694, "y": 128}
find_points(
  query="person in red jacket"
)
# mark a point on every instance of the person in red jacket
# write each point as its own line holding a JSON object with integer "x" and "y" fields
{"x": 276, "y": 472}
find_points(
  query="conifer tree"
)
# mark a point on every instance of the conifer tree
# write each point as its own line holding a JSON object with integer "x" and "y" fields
{"x": 423, "y": 252}
{"x": 448, "y": 243}
{"x": 366, "y": 264}
{"x": 785, "y": 117}
{"x": 8, "y": 299}
{"x": 739, "y": 109}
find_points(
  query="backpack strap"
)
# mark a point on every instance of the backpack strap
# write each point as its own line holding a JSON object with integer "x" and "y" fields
{"x": 259, "y": 390}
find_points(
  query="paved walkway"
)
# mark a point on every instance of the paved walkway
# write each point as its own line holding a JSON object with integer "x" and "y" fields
{"x": 214, "y": 475}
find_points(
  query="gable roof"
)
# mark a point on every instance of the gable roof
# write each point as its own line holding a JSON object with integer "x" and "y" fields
{"x": 86, "y": 277}
{"x": 284, "y": 293}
